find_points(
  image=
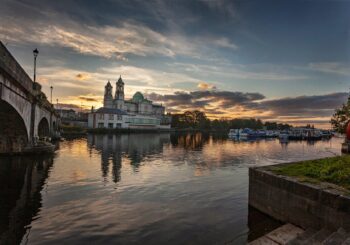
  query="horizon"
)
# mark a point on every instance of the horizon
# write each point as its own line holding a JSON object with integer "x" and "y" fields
{"x": 274, "y": 61}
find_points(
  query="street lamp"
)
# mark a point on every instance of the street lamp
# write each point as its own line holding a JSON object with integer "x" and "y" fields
{"x": 51, "y": 88}
{"x": 35, "y": 53}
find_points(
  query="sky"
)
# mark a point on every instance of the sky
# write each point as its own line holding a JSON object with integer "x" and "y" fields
{"x": 279, "y": 60}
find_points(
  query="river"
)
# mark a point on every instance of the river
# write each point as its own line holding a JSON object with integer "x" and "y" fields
{"x": 141, "y": 189}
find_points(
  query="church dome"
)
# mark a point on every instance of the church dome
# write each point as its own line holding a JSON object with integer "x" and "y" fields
{"x": 138, "y": 97}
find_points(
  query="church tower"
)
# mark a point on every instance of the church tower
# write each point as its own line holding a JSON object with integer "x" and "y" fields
{"x": 119, "y": 94}
{"x": 108, "y": 97}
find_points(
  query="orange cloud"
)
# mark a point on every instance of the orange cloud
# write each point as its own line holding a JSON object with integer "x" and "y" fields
{"x": 205, "y": 86}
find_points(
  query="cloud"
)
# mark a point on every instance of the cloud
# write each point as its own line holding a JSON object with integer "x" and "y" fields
{"x": 199, "y": 99}
{"x": 91, "y": 83}
{"x": 225, "y": 43}
{"x": 229, "y": 70}
{"x": 331, "y": 67}
{"x": 66, "y": 106}
{"x": 82, "y": 76}
{"x": 109, "y": 41}
{"x": 205, "y": 86}
{"x": 305, "y": 106}
{"x": 224, "y": 6}
{"x": 89, "y": 99}
{"x": 315, "y": 108}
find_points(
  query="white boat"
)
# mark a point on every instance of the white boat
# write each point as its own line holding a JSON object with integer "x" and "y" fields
{"x": 245, "y": 133}
{"x": 240, "y": 133}
{"x": 233, "y": 133}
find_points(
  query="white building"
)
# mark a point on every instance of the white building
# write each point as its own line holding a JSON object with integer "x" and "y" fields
{"x": 138, "y": 112}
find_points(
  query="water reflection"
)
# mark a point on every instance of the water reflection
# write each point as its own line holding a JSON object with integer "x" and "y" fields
{"x": 190, "y": 141}
{"x": 21, "y": 180}
{"x": 140, "y": 188}
{"x": 135, "y": 147}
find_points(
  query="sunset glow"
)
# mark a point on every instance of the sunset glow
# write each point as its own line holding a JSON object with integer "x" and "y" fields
{"x": 230, "y": 59}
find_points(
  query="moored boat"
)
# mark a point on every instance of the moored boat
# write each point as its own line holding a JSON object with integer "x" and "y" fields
{"x": 284, "y": 135}
{"x": 233, "y": 133}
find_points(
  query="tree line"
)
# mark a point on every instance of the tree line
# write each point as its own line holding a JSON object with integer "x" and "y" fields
{"x": 198, "y": 120}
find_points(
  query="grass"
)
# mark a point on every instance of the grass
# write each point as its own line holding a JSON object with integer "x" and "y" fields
{"x": 335, "y": 170}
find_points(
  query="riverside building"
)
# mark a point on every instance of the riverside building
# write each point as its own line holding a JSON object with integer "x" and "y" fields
{"x": 135, "y": 113}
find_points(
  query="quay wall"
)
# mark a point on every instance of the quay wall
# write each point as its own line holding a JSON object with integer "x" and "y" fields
{"x": 302, "y": 204}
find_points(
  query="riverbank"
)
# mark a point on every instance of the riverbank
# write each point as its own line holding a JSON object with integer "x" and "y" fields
{"x": 310, "y": 194}
{"x": 76, "y": 130}
{"x": 68, "y": 130}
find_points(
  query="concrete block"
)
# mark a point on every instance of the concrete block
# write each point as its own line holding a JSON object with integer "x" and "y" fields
{"x": 285, "y": 233}
{"x": 302, "y": 204}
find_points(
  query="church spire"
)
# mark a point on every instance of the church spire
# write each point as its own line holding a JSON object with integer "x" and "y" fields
{"x": 120, "y": 80}
{"x": 108, "y": 97}
{"x": 119, "y": 92}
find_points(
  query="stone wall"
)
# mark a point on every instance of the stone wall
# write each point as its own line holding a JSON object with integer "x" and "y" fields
{"x": 302, "y": 204}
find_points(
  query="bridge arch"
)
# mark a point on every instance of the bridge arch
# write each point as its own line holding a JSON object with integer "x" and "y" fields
{"x": 43, "y": 128}
{"x": 13, "y": 131}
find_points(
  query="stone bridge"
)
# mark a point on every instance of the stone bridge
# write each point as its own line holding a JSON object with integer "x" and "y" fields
{"x": 25, "y": 112}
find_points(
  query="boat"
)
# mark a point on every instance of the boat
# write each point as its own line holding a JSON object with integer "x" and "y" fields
{"x": 271, "y": 134}
{"x": 247, "y": 133}
{"x": 312, "y": 134}
{"x": 326, "y": 134}
{"x": 284, "y": 135}
{"x": 233, "y": 133}
{"x": 260, "y": 133}
{"x": 296, "y": 134}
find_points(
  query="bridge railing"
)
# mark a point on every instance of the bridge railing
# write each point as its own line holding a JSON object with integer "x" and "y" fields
{"x": 9, "y": 65}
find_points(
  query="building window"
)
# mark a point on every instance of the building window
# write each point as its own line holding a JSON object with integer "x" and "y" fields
{"x": 100, "y": 125}
{"x": 110, "y": 125}
{"x": 111, "y": 117}
{"x": 119, "y": 117}
{"x": 119, "y": 125}
{"x": 127, "y": 120}
{"x": 101, "y": 116}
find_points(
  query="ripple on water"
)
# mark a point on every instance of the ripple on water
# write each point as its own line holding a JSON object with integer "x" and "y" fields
{"x": 154, "y": 188}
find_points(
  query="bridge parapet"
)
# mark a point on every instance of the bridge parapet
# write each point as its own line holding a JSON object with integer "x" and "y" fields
{"x": 25, "y": 112}
{"x": 9, "y": 65}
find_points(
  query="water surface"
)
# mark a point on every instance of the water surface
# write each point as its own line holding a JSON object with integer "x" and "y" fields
{"x": 139, "y": 189}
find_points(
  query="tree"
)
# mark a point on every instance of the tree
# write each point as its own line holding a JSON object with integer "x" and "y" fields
{"x": 198, "y": 120}
{"x": 341, "y": 117}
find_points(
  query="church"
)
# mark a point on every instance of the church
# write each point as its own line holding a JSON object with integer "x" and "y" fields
{"x": 138, "y": 104}
{"x": 137, "y": 112}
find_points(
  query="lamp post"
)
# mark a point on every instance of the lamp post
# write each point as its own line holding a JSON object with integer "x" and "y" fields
{"x": 35, "y": 53}
{"x": 33, "y": 104}
{"x": 51, "y": 88}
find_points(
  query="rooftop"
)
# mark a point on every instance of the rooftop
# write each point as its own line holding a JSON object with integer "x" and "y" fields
{"x": 110, "y": 111}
